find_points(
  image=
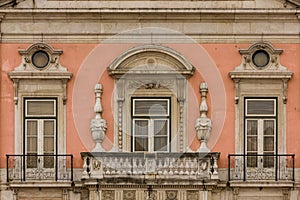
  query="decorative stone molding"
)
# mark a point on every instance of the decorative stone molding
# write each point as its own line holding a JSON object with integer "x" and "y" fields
{"x": 50, "y": 70}
{"x": 270, "y": 68}
{"x": 40, "y": 74}
{"x": 98, "y": 124}
{"x": 146, "y": 71}
{"x": 203, "y": 123}
{"x": 260, "y": 74}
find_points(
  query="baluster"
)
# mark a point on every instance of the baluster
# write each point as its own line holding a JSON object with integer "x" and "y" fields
{"x": 140, "y": 166}
{"x": 120, "y": 165}
{"x": 85, "y": 174}
{"x": 134, "y": 166}
{"x": 166, "y": 166}
{"x": 176, "y": 166}
{"x": 111, "y": 165}
{"x": 160, "y": 166}
{"x": 127, "y": 166}
{"x": 187, "y": 166}
{"x": 181, "y": 166}
{"x": 215, "y": 174}
{"x": 172, "y": 166}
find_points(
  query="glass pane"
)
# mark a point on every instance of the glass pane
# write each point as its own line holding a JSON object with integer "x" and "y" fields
{"x": 49, "y": 128}
{"x": 268, "y": 143}
{"x": 40, "y": 108}
{"x": 268, "y": 127}
{"x": 252, "y": 160}
{"x": 31, "y": 144}
{"x": 31, "y": 136}
{"x": 268, "y": 161}
{"x": 141, "y": 127}
{"x": 160, "y": 127}
{"x": 49, "y": 161}
{"x": 148, "y": 107}
{"x": 140, "y": 144}
{"x": 31, "y": 160}
{"x": 161, "y": 144}
{"x": 251, "y": 127}
{"x": 252, "y": 143}
{"x": 31, "y": 128}
{"x": 48, "y": 144}
{"x": 260, "y": 107}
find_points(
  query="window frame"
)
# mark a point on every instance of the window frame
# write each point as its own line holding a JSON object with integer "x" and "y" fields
{"x": 40, "y": 120}
{"x": 260, "y": 120}
{"x": 151, "y": 119}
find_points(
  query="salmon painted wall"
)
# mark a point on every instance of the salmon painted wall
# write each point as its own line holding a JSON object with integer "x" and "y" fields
{"x": 88, "y": 63}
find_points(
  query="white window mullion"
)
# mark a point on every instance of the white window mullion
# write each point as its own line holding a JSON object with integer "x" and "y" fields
{"x": 40, "y": 143}
{"x": 260, "y": 142}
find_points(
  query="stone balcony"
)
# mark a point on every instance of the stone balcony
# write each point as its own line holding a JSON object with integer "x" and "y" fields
{"x": 142, "y": 167}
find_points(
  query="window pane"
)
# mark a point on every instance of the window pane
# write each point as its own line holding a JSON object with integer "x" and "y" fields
{"x": 252, "y": 143}
{"x": 31, "y": 160}
{"x": 268, "y": 161}
{"x": 260, "y": 107}
{"x": 140, "y": 144}
{"x": 268, "y": 143}
{"x": 31, "y": 144}
{"x": 31, "y": 128}
{"x": 49, "y": 127}
{"x": 49, "y": 161}
{"x": 161, "y": 144}
{"x": 268, "y": 127}
{"x": 160, "y": 127}
{"x": 48, "y": 144}
{"x": 40, "y": 108}
{"x": 252, "y": 160}
{"x": 147, "y": 107}
{"x": 141, "y": 127}
{"x": 251, "y": 127}
{"x": 31, "y": 136}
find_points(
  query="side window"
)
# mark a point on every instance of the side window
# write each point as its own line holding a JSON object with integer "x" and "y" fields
{"x": 151, "y": 124}
{"x": 40, "y": 119}
{"x": 260, "y": 131}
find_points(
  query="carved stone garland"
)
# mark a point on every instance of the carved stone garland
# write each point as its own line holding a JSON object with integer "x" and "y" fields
{"x": 98, "y": 124}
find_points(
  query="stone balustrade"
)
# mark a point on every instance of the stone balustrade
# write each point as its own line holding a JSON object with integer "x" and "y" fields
{"x": 183, "y": 166}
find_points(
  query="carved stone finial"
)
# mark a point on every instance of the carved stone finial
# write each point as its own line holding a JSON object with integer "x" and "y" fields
{"x": 203, "y": 123}
{"x": 98, "y": 125}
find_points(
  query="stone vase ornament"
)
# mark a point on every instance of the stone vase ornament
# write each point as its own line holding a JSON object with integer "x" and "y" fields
{"x": 98, "y": 125}
{"x": 203, "y": 124}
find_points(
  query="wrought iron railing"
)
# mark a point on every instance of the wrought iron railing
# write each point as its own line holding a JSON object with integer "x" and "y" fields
{"x": 29, "y": 167}
{"x": 261, "y": 167}
{"x": 190, "y": 166}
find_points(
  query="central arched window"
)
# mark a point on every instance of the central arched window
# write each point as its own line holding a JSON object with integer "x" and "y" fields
{"x": 150, "y": 99}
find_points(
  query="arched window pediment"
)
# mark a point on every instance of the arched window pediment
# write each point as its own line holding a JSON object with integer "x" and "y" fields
{"x": 150, "y": 60}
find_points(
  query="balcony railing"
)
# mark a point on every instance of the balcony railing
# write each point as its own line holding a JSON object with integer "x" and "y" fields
{"x": 183, "y": 166}
{"x": 39, "y": 167}
{"x": 261, "y": 167}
